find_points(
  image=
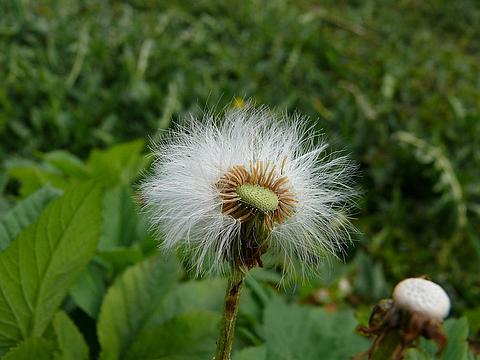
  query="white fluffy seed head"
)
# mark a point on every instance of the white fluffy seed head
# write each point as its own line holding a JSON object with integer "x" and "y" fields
{"x": 422, "y": 296}
{"x": 185, "y": 207}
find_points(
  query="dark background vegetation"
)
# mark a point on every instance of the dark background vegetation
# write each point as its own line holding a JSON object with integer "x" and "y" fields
{"x": 396, "y": 83}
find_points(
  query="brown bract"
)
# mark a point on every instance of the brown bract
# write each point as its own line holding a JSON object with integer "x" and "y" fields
{"x": 261, "y": 174}
{"x": 406, "y": 328}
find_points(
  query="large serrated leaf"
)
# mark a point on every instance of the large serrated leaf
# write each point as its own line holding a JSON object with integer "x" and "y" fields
{"x": 186, "y": 298}
{"x": 190, "y": 336}
{"x": 38, "y": 268}
{"x": 300, "y": 332}
{"x": 131, "y": 301}
{"x": 33, "y": 348}
{"x": 23, "y": 214}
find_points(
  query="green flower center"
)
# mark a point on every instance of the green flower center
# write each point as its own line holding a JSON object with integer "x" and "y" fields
{"x": 258, "y": 197}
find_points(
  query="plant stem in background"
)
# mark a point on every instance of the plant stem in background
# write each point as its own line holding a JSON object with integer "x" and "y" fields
{"x": 227, "y": 326}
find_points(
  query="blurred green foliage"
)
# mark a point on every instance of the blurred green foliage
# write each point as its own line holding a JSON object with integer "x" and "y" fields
{"x": 394, "y": 82}
{"x": 82, "y": 279}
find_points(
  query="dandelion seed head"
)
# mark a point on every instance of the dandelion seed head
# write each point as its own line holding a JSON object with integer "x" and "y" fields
{"x": 252, "y": 182}
{"x": 422, "y": 296}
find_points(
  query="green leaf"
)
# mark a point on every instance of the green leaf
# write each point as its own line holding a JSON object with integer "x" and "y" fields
{"x": 456, "y": 348}
{"x": 70, "y": 342}
{"x": 89, "y": 290}
{"x": 189, "y": 296}
{"x": 118, "y": 164}
{"x": 4, "y": 203}
{"x": 33, "y": 348}
{"x": 299, "y": 332}
{"x": 473, "y": 317}
{"x": 457, "y": 333}
{"x": 23, "y": 214}
{"x": 131, "y": 301}
{"x": 5, "y": 206}
{"x": 265, "y": 275}
{"x": 123, "y": 225}
{"x": 33, "y": 176}
{"x": 418, "y": 354}
{"x": 38, "y": 268}
{"x": 120, "y": 258}
{"x": 472, "y": 356}
{"x": 191, "y": 336}
{"x": 252, "y": 353}
{"x": 67, "y": 163}
{"x": 255, "y": 296}
{"x": 370, "y": 282}
{"x": 3, "y": 181}
{"x": 205, "y": 295}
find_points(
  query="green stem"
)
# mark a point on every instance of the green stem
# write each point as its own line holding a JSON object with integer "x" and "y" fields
{"x": 227, "y": 329}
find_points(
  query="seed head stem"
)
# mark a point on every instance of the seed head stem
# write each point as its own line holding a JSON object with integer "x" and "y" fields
{"x": 227, "y": 326}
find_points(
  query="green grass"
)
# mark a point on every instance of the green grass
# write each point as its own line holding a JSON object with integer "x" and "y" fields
{"x": 394, "y": 82}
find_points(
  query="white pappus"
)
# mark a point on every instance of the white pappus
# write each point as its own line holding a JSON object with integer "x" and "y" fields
{"x": 214, "y": 177}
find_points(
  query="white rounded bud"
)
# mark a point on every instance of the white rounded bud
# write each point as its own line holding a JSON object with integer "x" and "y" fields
{"x": 422, "y": 296}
